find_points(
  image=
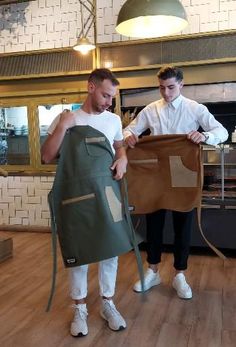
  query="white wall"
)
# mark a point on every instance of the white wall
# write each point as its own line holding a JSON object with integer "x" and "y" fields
{"x": 45, "y": 24}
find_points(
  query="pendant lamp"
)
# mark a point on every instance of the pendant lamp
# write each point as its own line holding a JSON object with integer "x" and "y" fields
{"x": 151, "y": 18}
{"x": 83, "y": 44}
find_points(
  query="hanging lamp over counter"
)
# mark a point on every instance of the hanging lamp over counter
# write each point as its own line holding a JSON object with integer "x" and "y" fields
{"x": 83, "y": 44}
{"x": 151, "y": 18}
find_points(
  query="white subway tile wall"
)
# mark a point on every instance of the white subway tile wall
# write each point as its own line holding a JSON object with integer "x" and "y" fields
{"x": 23, "y": 201}
{"x": 46, "y": 24}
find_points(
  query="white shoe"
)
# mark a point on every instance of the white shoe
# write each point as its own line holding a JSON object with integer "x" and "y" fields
{"x": 112, "y": 316}
{"x": 79, "y": 325}
{"x": 179, "y": 283}
{"x": 151, "y": 279}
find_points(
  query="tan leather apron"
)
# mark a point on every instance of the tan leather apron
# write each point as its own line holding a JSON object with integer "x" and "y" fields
{"x": 166, "y": 172}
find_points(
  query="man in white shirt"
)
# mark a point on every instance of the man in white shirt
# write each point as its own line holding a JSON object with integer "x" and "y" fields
{"x": 173, "y": 114}
{"x": 102, "y": 87}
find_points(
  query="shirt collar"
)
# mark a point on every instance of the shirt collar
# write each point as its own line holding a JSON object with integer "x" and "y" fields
{"x": 175, "y": 104}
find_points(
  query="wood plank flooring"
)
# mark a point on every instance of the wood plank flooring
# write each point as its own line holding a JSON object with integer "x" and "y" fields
{"x": 159, "y": 319}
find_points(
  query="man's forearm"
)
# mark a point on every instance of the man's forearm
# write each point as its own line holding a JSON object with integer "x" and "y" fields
{"x": 52, "y": 144}
{"x": 120, "y": 153}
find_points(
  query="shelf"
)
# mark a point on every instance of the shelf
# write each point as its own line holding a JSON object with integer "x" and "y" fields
{"x": 230, "y": 146}
{"x": 219, "y": 164}
{"x": 218, "y": 193}
{"x": 226, "y": 203}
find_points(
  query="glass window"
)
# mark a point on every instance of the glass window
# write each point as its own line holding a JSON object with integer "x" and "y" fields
{"x": 47, "y": 113}
{"x": 14, "y": 144}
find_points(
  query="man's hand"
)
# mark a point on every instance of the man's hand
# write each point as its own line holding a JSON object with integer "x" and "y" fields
{"x": 119, "y": 167}
{"x": 67, "y": 119}
{"x": 196, "y": 137}
{"x": 51, "y": 145}
{"x": 131, "y": 140}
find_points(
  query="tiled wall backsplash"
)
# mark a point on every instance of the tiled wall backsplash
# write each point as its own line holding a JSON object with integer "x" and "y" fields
{"x": 23, "y": 201}
{"x": 46, "y": 24}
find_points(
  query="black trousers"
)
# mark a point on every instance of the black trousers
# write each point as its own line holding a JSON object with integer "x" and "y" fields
{"x": 182, "y": 223}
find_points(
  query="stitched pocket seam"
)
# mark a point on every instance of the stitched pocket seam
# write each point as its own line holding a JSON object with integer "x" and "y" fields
{"x": 78, "y": 198}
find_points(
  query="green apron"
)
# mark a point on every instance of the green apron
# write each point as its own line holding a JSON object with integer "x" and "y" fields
{"x": 88, "y": 211}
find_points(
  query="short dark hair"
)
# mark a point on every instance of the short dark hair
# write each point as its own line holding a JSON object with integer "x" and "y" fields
{"x": 99, "y": 75}
{"x": 169, "y": 71}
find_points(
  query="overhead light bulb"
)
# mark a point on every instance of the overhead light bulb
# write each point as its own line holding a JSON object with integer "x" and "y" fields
{"x": 151, "y": 18}
{"x": 84, "y": 46}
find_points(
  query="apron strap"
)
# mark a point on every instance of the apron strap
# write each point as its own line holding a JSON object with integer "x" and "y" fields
{"x": 219, "y": 253}
{"x": 54, "y": 250}
{"x": 124, "y": 194}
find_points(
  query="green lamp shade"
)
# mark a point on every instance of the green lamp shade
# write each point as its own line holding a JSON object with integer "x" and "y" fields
{"x": 151, "y": 18}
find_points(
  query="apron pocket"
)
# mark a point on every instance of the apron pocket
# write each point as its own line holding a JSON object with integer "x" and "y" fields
{"x": 114, "y": 204}
{"x": 181, "y": 176}
{"x": 95, "y": 146}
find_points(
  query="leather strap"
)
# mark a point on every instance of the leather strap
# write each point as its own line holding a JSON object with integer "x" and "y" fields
{"x": 124, "y": 194}
{"x": 219, "y": 253}
{"x": 199, "y": 209}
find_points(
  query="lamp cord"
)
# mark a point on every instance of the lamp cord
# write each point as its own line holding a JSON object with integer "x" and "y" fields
{"x": 82, "y": 17}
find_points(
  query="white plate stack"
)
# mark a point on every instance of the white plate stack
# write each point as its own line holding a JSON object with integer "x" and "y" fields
{"x": 24, "y": 130}
{"x": 17, "y": 131}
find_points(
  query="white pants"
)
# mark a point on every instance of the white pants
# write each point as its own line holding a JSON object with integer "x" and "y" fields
{"x": 106, "y": 275}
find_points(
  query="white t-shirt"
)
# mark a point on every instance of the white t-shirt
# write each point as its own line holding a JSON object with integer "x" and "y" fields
{"x": 106, "y": 122}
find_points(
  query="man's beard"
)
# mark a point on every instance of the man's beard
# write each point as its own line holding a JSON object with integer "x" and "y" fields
{"x": 100, "y": 109}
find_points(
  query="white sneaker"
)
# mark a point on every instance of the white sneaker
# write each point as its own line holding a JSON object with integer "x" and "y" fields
{"x": 151, "y": 279}
{"x": 179, "y": 283}
{"x": 112, "y": 316}
{"x": 79, "y": 325}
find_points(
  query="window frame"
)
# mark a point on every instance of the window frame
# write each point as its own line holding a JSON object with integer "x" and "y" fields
{"x": 32, "y": 102}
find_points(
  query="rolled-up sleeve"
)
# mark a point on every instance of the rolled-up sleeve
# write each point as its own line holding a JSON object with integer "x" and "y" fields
{"x": 53, "y": 125}
{"x": 213, "y": 130}
{"x": 137, "y": 126}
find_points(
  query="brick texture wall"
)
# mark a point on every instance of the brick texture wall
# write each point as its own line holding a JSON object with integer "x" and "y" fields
{"x": 23, "y": 201}
{"x": 45, "y": 24}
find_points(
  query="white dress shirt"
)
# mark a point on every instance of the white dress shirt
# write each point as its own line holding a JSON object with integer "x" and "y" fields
{"x": 178, "y": 117}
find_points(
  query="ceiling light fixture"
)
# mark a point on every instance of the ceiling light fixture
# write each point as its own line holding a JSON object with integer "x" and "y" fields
{"x": 83, "y": 44}
{"x": 151, "y": 18}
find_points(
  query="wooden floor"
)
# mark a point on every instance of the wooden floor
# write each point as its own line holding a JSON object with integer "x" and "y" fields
{"x": 160, "y": 319}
